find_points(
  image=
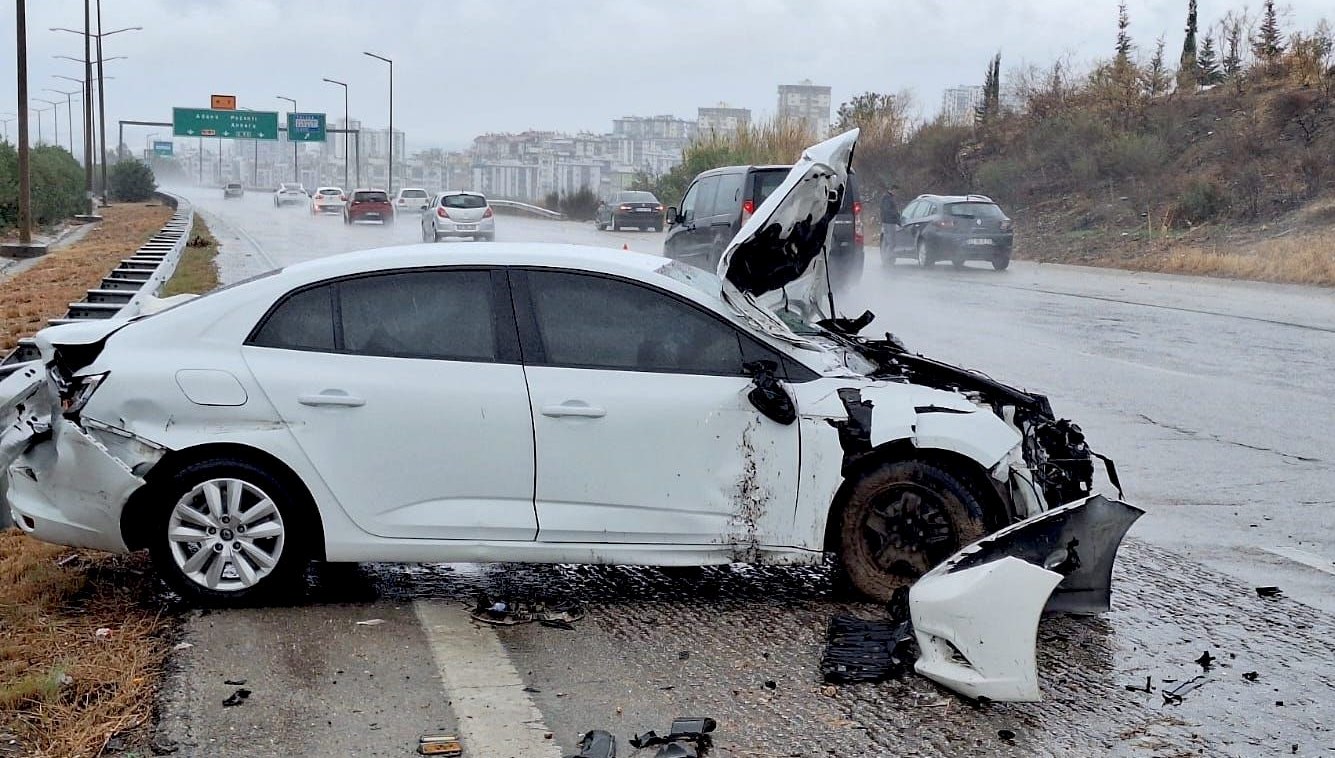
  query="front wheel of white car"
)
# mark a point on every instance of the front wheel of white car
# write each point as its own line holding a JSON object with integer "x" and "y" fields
{"x": 225, "y": 531}
{"x": 903, "y": 518}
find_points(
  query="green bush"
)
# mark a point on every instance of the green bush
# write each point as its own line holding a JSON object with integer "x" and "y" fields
{"x": 57, "y": 185}
{"x": 131, "y": 181}
{"x": 1140, "y": 155}
{"x": 580, "y": 205}
{"x": 1201, "y": 201}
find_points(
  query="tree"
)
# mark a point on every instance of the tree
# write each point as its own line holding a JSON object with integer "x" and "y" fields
{"x": 1157, "y": 76}
{"x": 1207, "y": 65}
{"x": 991, "y": 104}
{"x": 1125, "y": 47}
{"x": 131, "y": 181}
{"x": 1268, "y": 44}
{"x": 1232, "y": 27}
{"x": 1188, "y": 74}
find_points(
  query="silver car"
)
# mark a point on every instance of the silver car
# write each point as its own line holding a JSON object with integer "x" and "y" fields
{"x": 458, "y": 213}
{"x": 290, "y": 193}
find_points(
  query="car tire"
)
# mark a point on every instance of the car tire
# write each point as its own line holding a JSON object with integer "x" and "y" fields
{"x": 924, "y": 256}
{"x": 1001, "y": 262}
{"x": 612, "y": 223}
{"x": 957, "y": 261}
{"x": 181, "y": 509}
{"x": 937, "y": 513}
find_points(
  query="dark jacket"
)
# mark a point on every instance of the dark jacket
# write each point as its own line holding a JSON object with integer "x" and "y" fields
{"x": 889, "y": 209}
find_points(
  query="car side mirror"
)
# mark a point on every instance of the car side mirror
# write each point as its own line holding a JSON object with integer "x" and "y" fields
{"x": 672, "y": 215}
{"x": 768, "y": 394}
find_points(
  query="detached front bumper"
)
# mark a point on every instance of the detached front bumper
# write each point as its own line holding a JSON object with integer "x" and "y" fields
{"x": 59, "y": 483}
{"x": 976, "y": 615}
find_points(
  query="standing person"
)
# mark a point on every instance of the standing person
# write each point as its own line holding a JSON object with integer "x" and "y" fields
{"x": 889, "y": 219}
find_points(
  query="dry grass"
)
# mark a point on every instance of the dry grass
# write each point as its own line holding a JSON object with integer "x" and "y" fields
{"x": 45, "y": 291}
{"x": 65, "y": 691}
{"x": 196, "y": 272}
{"x": 1297, "y": 258}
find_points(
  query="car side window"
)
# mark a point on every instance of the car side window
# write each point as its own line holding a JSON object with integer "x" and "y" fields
{"x": 588, "y": 321}
{"x": 705, "y": 206}
{"x": 688, "y": 202}
{"x": 445, "y": 315}
{"x": 302, "y": 321}
{"x": 728, "y": 196}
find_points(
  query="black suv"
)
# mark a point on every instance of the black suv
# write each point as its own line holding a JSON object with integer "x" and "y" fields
{"x": 720, "y": 200}
{"x": 955, "y": 228}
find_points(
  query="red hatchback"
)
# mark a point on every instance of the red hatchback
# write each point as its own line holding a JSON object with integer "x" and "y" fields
{"x": 368, "y": 205}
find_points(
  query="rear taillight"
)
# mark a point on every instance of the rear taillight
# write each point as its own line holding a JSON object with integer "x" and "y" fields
{"x": 748, "y": 208}
{"x": 344, "y": 198}
{"x": 76, "y": 393}
{"x": 487, "y": 213}
{"x": 1007, "y": 225}
{"x": 623, "y": 207}
{"x": 857, "y": 222}
{"x": 442, "y": 213}
{"x": 658, "y": 208}
{"x": 945, "y": 223}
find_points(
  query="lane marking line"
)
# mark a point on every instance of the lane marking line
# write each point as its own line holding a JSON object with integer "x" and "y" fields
{"x": 497, "y": 719}
{"x": 1311, "y": 560}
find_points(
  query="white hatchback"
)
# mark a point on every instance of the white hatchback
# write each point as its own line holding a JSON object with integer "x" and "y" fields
{"x": 555, "y": 403}
{"x": 458, "y": 213}
{"x": 411, "y": 199}
{"x": 328, "y": 200}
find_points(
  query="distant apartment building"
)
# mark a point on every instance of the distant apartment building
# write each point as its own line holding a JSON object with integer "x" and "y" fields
{"x": 654, "y": 127}
{"x": 959, "y": 104}
{"x": 805, "y": 103}
{"x": 721, "y": 119}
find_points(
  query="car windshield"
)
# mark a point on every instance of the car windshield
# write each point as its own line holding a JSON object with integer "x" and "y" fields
{"x": 464, "y": 201}
{"x": 371, "y": 197}
{"x": 975, "y": 210}
{"x": 413, "y": 193}
{"x": 234, "y": 185}
{"x": 636, "y": 197}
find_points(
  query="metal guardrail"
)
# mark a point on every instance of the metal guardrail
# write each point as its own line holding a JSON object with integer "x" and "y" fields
{"x": 525, "y": 207}
{"x": 134, "y": 280}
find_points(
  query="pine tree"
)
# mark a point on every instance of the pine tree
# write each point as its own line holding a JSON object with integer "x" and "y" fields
{"x": 1207, "y": 65}
{"x": 1124, "y": 44}
{"x": 1269, "y": 42}
{"x": 991, "y": 104}
{"x": 1156, "y": 75}
{"x": 1232, "y": 49}
{"x": 1187, "y": 70}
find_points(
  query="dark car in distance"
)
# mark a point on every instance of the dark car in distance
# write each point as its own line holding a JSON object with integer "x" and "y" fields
{"x": 955, "y": 228}
{"x": 720, "y": 200}
{"x": 368, "y": 205}
{"x": 630, "y": 208}
{"x": 233, "y": 189}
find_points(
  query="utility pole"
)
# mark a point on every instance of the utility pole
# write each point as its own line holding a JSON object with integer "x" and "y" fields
{"x": 25, "y": 247}
{"x": 101, "y": 103}
{"x": 346, "y": 126}
{"x": 296, "y": 173}
{"x": 88, "y": 109}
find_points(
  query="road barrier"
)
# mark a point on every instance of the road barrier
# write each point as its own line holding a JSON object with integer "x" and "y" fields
{"x": 132, "y": 282}
{"x": 515, "y": 205}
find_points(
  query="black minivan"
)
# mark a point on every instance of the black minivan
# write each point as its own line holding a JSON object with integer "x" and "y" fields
{"x": 720, "y": 200}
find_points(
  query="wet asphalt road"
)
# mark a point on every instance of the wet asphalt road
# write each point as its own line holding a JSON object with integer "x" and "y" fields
{"x": 1212, "y": 396}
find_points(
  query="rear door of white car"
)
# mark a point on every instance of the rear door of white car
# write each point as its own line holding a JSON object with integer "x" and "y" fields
{"x": 405, "y": 391}
{"x": 643, "y": 429}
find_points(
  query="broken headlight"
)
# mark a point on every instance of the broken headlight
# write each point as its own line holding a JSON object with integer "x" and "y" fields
{"x": 76, "y": 393}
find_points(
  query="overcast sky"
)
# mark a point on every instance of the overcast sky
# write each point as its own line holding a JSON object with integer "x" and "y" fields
{"x": 466, "y": 67}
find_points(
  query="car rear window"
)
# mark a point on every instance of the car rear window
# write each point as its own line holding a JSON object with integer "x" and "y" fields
{"x": 371, "y": 197}
{"x": 637, "y": 197}
{"x": 975, "y": 210}
{"x": 290, "y": 186}
{"x": 413, "y": 193}
{"x": 464, "y": 201}
{"x": 765, "y": 183}
{"x": 330, "y": 191}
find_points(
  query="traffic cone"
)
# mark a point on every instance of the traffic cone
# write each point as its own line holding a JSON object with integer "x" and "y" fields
{"x": 625, "y": 246}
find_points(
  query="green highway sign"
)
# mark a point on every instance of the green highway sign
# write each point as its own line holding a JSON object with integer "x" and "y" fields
{"x": 305, "y": 127}
{"x": 162, "y": 147}
{"x": 206, "y": 122}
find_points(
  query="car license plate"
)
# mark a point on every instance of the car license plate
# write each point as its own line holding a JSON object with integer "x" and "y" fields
{"x": 373, "y": 215}
{"x": 980, "y": 242}
{"x": 644, "y": 210}
{"x": 466, "y": 227}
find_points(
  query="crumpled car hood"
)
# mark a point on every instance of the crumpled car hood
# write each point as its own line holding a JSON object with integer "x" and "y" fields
{"x": 777, "y": 260}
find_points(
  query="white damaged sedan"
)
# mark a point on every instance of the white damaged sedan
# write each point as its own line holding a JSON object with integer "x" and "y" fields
{"x": 546, "y": 403}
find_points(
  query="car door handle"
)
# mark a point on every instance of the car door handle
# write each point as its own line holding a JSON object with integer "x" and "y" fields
{"x": 337, "y": 398}
{"x": 573, "y": 408}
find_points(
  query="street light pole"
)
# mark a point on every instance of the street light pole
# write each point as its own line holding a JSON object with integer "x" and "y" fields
{"x": 55, "y": 119}
{"x": 255, "y": 164}
{"x": 346, "y": 126}
{"x": 88, "y": 106}
{"x": 69, "y": 111}
{"x": 296, "y": 174}
{"x": 390, "y": 187}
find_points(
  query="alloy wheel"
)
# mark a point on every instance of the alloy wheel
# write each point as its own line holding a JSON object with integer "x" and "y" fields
{"x": 226, "y": 534}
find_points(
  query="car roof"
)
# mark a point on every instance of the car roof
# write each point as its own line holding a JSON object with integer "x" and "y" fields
{"x": 367, "y": 189}
{"x": 739, "y": 169}
{"x": 413, "y": 189}
{"x": 448, "y": 193}
{"x": 957, "y": 198}
{"x": 318, "y": 189}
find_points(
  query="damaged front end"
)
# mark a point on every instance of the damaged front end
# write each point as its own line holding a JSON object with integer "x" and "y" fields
{"x": 976, "y": 615}
{"x": 1058, "y": 465}
{"x": 63, "y": 478}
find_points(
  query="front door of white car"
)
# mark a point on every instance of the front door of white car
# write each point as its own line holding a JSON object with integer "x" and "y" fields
{"x": 405, "y": 392}
{"x": 643, "y": 430}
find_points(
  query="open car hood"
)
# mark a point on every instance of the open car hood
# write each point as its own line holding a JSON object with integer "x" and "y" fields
{"x": 777, "y": 260}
